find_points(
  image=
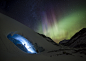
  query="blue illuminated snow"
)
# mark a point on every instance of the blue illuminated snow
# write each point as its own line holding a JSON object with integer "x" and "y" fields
{"x": 22, "y": 43}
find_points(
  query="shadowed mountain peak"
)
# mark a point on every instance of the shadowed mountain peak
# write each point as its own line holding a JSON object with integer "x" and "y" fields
{"x": 78, "y": 40}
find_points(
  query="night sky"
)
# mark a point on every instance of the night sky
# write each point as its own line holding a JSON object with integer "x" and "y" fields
{"x": 57, "y": 19}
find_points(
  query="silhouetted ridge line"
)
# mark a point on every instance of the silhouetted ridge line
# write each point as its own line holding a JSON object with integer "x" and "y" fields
{"x": 78, "y": 40}
{"x": 48, "y": 39}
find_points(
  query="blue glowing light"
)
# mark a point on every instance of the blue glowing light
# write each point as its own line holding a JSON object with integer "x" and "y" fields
{"x": 22, "y": 43}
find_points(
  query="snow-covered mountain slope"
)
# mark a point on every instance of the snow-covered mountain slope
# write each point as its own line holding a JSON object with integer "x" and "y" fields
{"x": 10, "y": 52}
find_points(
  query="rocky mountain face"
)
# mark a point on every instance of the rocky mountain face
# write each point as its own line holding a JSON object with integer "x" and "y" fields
{"x": 49, "y": 39}
{"x": 78, "y": 40}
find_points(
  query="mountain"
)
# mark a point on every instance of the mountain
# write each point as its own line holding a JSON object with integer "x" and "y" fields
{"x": 78, "y": 40}
{"x": 48, "y": 39}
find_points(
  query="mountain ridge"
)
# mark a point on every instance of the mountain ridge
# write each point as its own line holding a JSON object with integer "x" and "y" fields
{"x": 78, "y": 40}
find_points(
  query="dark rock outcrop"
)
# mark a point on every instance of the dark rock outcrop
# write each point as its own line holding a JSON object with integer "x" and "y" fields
{"x": 63, "y": 42}
{"x": 78, "y": 40}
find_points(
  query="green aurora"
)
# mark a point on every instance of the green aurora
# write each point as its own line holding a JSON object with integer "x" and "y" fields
{"x": 64, "y": 27}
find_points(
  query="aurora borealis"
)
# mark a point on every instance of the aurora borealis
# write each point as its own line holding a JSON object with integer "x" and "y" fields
{"x": 65, "y": 27}
{"x": 57, "y": 19}
{"x": 59, "y": 25}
